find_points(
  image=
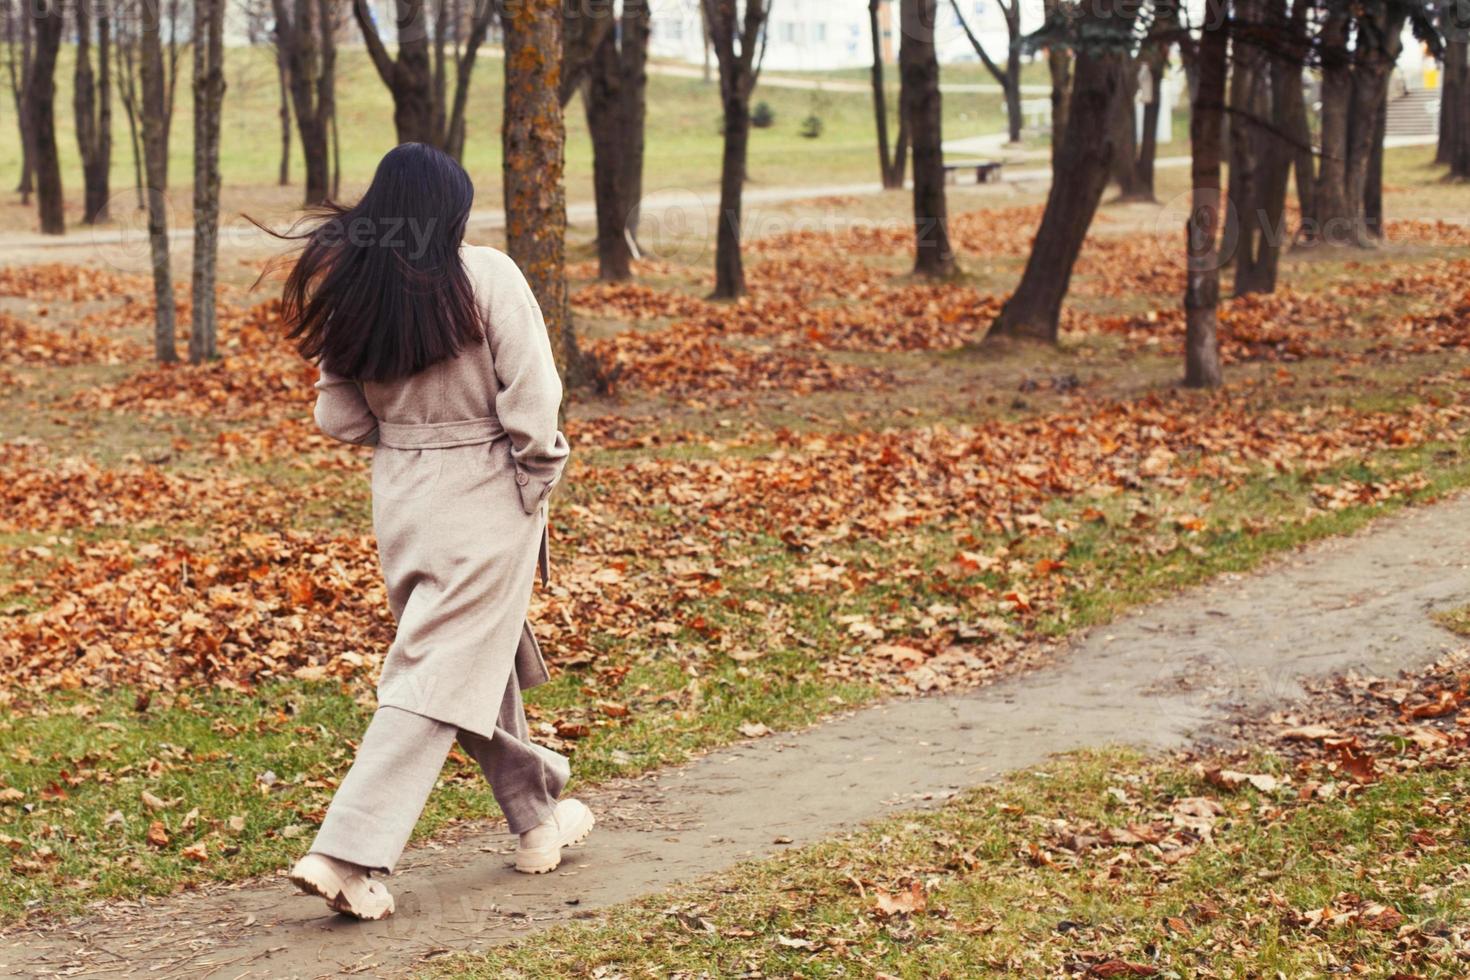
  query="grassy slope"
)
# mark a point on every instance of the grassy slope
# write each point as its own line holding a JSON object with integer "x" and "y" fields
{"x": 53, "y": 741}
{"x": 210, "y": 749}
{"x": 1003, "y": 897}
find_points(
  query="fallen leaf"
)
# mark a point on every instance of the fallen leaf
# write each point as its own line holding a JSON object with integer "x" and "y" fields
{"x": 910, "y": 901}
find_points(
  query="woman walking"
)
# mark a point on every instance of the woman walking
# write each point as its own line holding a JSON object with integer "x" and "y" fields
{"x": 435, "y": 353}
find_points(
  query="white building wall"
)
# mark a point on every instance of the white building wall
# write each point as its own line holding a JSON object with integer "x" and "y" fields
{"x": 820, "y": 35}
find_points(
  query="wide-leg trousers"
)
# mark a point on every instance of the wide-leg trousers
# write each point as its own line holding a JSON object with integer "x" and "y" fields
{"x": 398, "y": 761}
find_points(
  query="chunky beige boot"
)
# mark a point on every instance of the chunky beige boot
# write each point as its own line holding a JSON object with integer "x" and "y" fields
{"x": 540, "y": 849}
{"x": 346, "y": 887}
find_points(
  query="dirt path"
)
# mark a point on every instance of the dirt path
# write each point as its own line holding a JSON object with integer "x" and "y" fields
{"x": 1158, "y": 678}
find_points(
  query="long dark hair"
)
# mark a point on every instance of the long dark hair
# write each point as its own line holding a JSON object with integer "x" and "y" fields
{"x": 379, "y": 291}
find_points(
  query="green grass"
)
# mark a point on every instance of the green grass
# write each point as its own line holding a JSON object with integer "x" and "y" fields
{"x": 683, "y": 142}
{"x": 1004, "y": 894}
{"x": 684, "y": 697}
{"x": 1455, "y": 620}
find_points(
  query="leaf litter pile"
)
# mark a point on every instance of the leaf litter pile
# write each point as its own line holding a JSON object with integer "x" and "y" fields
{"x": 236, "y": 580}
{"x": 903, "y": 554}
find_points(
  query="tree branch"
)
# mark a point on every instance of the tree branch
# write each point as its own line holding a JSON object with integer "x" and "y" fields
{"x": 990, "y": 66}
{"x": 376, "y": 49}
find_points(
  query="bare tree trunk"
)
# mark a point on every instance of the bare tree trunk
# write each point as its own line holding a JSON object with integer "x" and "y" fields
{"x": 19, "y": 62}
{"x": 1295, "y": 127}
{"x": 891, "y": 165}
{"x": 584, "y": 26}
{"x": 534, "y": 137}
{"x": 1248, "y": 144}
{"x": 922, "y": 106}
{"x": 172, "y": 71}
{"x": 92, "y": 109}
{"x": 1379, "y": 42}
{"x": 209, "y": 94}
{"x": 614, "y": 257}
{"x": 736, "y": 47}
{"x": 729, "y": 262}
{"x": 127, "y": 79}
{"x": 1206, "y": 131}
{"x": 1059, "y": 65}
{"x": 1457, "y": 67}
{"x": 155, "y": 156}
{"x": 1266, "y": 136}
{"x": 1155, "y": 57}
{"x": 41, "y": 115}
{"x": 1373, "y": 220}
{"x": 439, "y": 122}
{"x": 615, "y": 116}
{"x": 284, "y": 113}
{"x": 304, "y": 34}
{"x": 708, "y": 45}
{"x": 636, "y": 32}
{"x": 464, "y": 70}
{"x": 1083, "y": 162}
{"x": 1015, "y": 44}
{"x": 1125, "y": 136}
{"x": 1332, "y": 216}
{"x": 1452, "y": 93}
{"x": 328, "y": 13}
{"x": 1009, "y": 77}
{"x": 408, "y": 76}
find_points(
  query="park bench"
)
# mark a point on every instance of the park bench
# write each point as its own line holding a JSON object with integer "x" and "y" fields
{"x": 986, "y": 171}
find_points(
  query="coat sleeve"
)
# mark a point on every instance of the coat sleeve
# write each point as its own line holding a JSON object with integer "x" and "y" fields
{"x": 529, "y": 399}
{"x": 342, "y": 412}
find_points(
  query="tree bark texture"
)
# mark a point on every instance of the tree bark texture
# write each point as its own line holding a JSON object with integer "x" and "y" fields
{"x": 1453, "y": 94}
{"x": 417, "y": 74}
{"x": 407, "y": 75}
{"x": 1457, "y": 99}
{"x": 1259, "y": 162}
{"x": 92, "y": 109}
{"x": 209, "y": 94}
{"x": 1059, "y": 67}
{"x": 19, "y": 59}
{"x": 615, "y": 100}
{"x": 534, "y": 139}
{"x": 1379, "y": 43}
{"x": 892, "y": 160}
{"x": 1331, "y": 213}
{"x": 302, "y": 28}
{"x": 1155, "y": 56}
{"x": 41, "y": 114}
{"x": 284, "y": 114}
{"x": 1206, "y": 132}
{"x": 922, "y": 105}
{"x": 1083, "y": 161}
{"x": 155, "y": 163}
{"x": 737, "y": 43}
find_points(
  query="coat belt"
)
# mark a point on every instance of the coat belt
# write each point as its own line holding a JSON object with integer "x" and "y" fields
{"x": 439, "y": 435}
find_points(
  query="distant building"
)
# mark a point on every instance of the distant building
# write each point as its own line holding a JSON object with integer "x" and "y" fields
{"x": 822, "y": 35}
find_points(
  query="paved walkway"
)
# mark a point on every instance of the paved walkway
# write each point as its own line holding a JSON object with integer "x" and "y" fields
{"x": 768, "y": 80}
{"x": 1158, "y": 678}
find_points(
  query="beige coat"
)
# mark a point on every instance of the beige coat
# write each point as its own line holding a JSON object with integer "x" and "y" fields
{"x": 467, "y": 453}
